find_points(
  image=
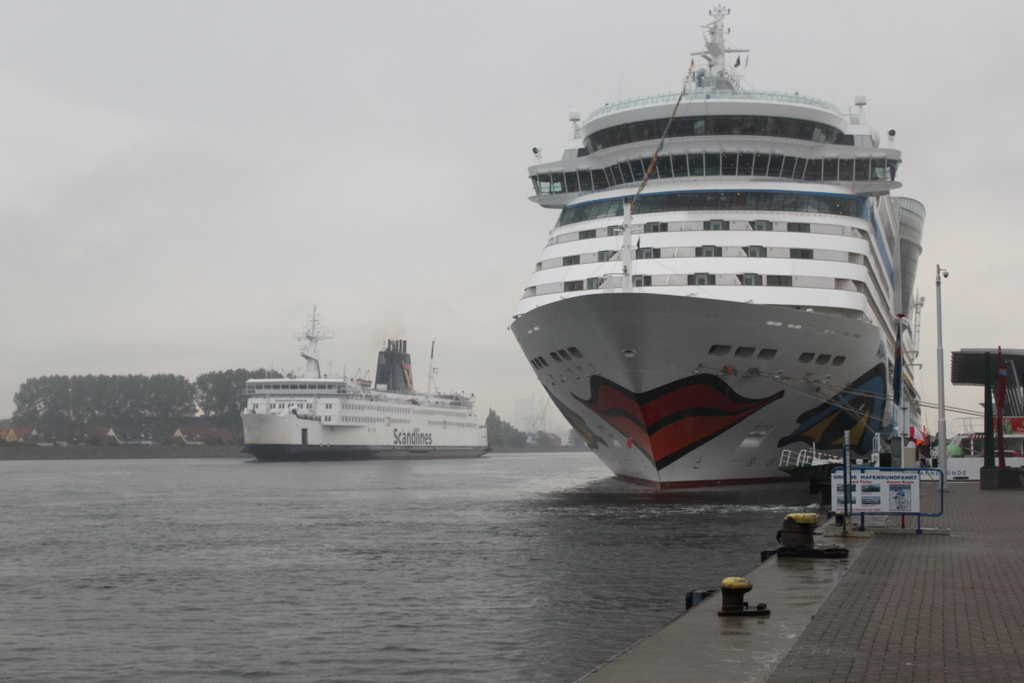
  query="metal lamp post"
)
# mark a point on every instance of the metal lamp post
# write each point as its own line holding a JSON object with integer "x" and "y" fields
{"x": 940, "y": 365}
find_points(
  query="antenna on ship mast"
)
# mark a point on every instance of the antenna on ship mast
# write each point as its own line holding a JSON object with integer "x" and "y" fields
{"x": 312, "y": 335}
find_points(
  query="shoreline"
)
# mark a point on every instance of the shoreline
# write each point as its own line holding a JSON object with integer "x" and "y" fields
{"x": 18, "y": 453}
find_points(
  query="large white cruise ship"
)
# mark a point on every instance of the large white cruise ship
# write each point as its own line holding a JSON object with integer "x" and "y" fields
{"x": 726, "y": 279}
{"x": 346, "y": 418}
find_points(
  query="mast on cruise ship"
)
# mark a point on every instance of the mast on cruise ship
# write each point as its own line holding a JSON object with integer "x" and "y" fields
{"x": 717, "y": 74}
{"x": 313, "y": 335}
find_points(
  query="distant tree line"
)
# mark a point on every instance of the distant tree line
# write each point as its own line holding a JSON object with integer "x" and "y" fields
{"x": 502, "y": 434}
{"x": 60, "y": 402}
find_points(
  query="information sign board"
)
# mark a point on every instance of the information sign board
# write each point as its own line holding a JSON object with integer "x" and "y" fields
{"x": 878, "y": 491}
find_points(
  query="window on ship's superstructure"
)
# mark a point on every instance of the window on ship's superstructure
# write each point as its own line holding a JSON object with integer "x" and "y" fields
{"x": 588, "y": 234}
{"x": 729, "y": 162}
{"x": 603, "y": 256}
{"x": 570, "y": 260}
{"x": 830, "y": 169}
{"x": 572, "y": 183}
{"x": 746, "y": 164}
{"x": 798, "y": 227}
{"x": 655, "y": 227}
{"x": 712, "y": 164}
{"x": 761, "y": 164}
{"x": 787, "y": 167}
{"x": 594, "y": 282}
{"x": 780, "y": 281}
{"x": 801, "y": 253}
{"x": 846, "y": 169}
{"x": 665, "y": 167}
{"x": 754, "y": 251}
{"x": 706, "y": 251}
{"x": 763, "y": 226}
{"x": 648, "y": 253}
{"x": 696, "y": 164}
{"x": 641, "y": 280}
{"x": 750, "y": 279}
{"x": 700, "y": 279}
{"x": 716, "y": 225}
{"x": 573, "y": 286}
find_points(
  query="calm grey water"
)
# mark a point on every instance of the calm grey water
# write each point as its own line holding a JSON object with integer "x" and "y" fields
{"x": 532, "y": 567}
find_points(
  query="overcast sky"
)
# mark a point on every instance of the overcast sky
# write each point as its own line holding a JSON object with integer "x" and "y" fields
{"x": 181, "y": 182}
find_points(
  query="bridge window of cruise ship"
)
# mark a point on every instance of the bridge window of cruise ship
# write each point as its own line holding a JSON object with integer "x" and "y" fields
{"x": 665, "y": 167}
{"x": 761, "y": 164}
{"x": 572, "y": 183}
{"x": 775, "y": 165}
{"x": 729, "y": 162}
{"x": 679, "y": 166}
{"x": 830, "y": 169}
{"x": 713, "y": 164}
{"x": 696, "y": 164}
{"x": 813, "y": 171}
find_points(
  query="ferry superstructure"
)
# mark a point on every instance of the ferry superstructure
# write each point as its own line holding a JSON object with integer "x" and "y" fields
{"x": 725, "y": 278}
{"x": 344, "y": 418}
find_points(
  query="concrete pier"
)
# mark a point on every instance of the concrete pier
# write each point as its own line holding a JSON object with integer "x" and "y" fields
{"x": 902, "y": 607}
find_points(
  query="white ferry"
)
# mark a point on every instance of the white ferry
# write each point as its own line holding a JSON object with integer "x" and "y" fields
{"x": 323, "y": 418}
{"x": 724, "y": 278}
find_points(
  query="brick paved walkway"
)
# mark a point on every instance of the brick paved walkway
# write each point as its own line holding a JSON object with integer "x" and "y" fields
{"x": 926, "y": 607}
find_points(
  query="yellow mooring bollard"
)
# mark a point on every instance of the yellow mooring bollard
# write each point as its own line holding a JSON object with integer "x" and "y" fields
{"x": 796, "y": 538}
{"x": 733, "y": 605}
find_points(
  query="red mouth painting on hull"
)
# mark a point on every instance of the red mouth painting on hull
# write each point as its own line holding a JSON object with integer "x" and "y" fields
{"x": 668, "y": 422}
